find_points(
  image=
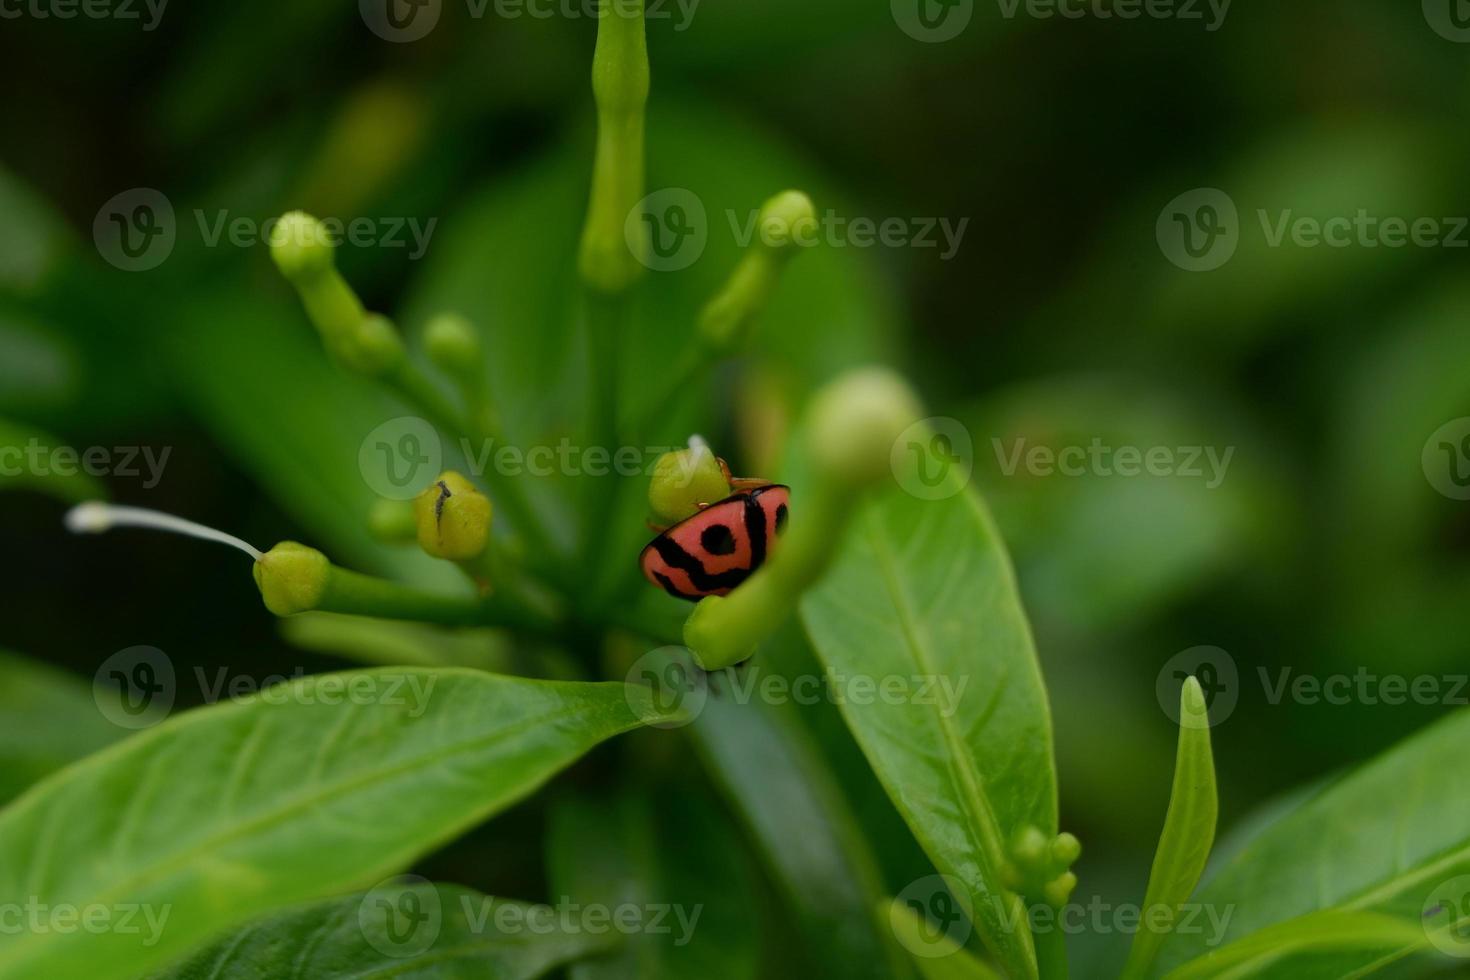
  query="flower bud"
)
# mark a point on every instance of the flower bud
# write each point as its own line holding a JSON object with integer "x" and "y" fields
{"x": 393, "y": 521}
{"x": 453, "y": 344}
{"x": 684, "y": 479}
{"x": 292, "y": 578}
{"x": 300, "y": 247}
{"x": 854, "y": 423}
{"x": 727, "y": 319}
{"x": 453, "y": 519}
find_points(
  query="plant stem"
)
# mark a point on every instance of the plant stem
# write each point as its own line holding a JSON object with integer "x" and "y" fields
{"x": 1051, "y": 953}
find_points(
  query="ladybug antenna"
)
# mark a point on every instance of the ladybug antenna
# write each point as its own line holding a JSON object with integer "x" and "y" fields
{"x": 96, "y": 517}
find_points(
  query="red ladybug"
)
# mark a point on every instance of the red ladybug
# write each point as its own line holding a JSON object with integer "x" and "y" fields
{"x": 719, "y": 547}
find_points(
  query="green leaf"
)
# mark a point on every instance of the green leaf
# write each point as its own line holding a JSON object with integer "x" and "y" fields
{"x": 1380, "y": 840}
{"x": 33, "y": 237}
{"x": 942, "y": 957}
{"x": 787, "y": 799}
{"x": 409, "y": 930}
{"x": 676, "y": 860}
{"x": 71, "y": 485}
{"x": 1369, "y": 935}
{"x": 47, "y": 720}
{"x": 316, "y": 785}
{"x": 923, "y": 593}
{"x": 1189, "y": 830}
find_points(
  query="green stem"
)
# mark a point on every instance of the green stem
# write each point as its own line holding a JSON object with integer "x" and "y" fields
{"x": 1051, "y": 952}
{"x": 726, "y": 631}
{"x": 606, "y": 321}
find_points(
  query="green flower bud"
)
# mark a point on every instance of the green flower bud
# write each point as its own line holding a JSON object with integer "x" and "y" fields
{"x": 292, "y": 578}
{"x": 1059, "y": 890}
{"x": 854, "y": 423}
{"x": 1029, "y": 849}
{"x": 453, "y": 519}
{"x": 727, "y": 319}
{"x": 453, "y": 344}
{"x": 300, "y": 247}
{"x": 786, "y": 219}
{"x": 1065, "y": 850}
{"x": 684, "y": 479}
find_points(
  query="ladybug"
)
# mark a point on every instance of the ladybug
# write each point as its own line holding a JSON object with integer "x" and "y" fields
{"x": 715, "y": 550}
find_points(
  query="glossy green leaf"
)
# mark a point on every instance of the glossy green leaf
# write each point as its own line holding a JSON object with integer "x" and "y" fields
{"x": 320, "y": 784}
{"x": 409, "y": 930}
{"x": 922, "y": 605}
{"x": 1381, "y": 840}
{"x": 941, "y": 957}
{"x": 1189, "y": 831}
{"x": 47, "y": 720}
{"x": 674, "y": 858}
{"x": 792, "y": 808}
{"x": 1367, "y": 937}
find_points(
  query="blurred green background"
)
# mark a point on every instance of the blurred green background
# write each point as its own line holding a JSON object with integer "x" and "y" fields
{"x": 1060, "y": 320}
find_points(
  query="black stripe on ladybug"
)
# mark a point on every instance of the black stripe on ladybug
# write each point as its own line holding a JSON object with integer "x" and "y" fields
{"x": 714, "y": 551}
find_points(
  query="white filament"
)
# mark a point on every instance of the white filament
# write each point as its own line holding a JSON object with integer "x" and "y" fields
{"x": 697, "y": 442}
{"x": 95, "y": 517}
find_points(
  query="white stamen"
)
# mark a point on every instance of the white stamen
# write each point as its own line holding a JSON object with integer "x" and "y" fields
{"x": 95, "y": 517}
{"x": 696, "y": 441}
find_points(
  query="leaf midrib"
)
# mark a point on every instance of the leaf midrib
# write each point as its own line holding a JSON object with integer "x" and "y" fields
{"x": 279, "y": 815}
{"x": 982, "y": 829}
